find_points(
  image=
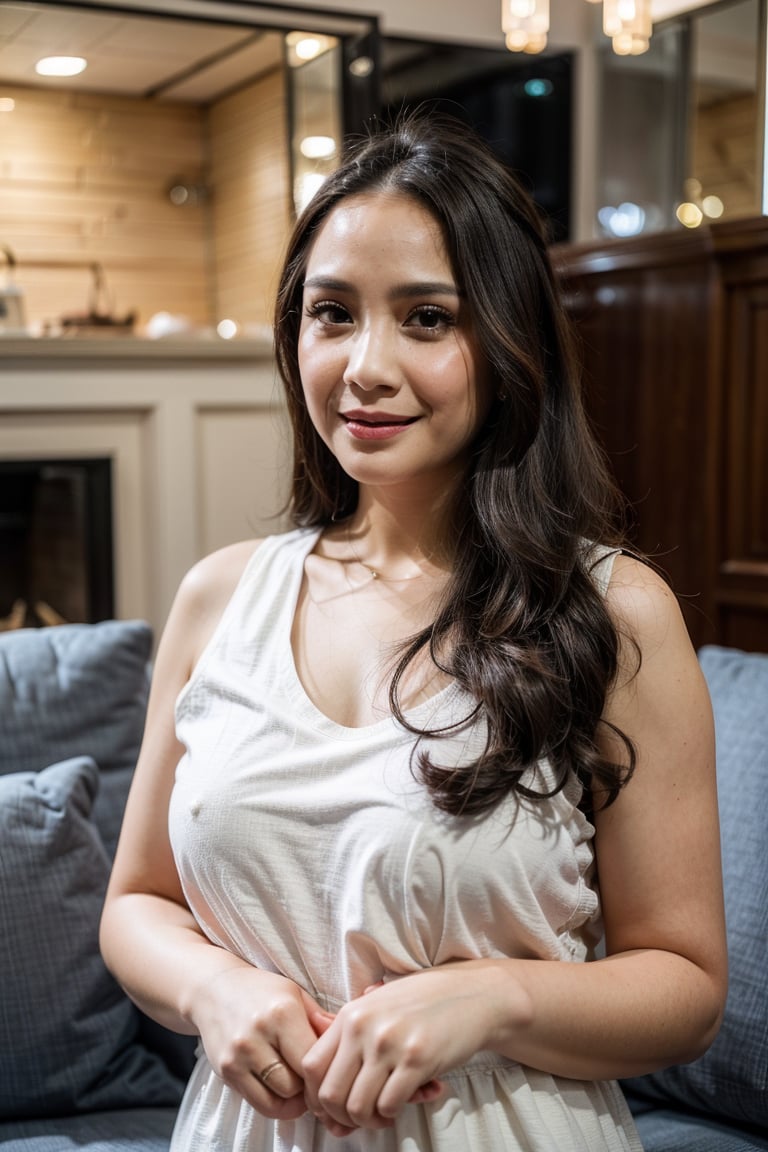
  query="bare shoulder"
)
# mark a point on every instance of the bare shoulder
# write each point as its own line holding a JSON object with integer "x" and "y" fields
{"x": 212, "y": 580}
{"x": 638, "y": 596}
{"x": 202, "y": 596}
{"x": 644, "y": 609}
{"x": 206, "y": 590}
{"x": 657, "y": 845}
{"x": 657, "y": 661}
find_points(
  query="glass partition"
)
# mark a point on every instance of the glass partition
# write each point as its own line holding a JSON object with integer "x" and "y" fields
{"x": 723, "y": 177}
{"x": 314, "y": 64}
{"x": 681, "y": 127}
{"x": 641, "y": 139}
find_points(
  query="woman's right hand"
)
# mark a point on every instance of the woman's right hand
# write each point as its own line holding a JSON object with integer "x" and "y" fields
{"x": 249, "y": 1020}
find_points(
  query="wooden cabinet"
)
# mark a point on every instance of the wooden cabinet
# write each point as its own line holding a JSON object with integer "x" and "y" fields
{"x": 674, "y": 341}
{"x": 741, "y": 592}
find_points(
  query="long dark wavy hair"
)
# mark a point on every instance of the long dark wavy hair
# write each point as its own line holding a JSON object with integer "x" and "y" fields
{"x": 521, "y": 626}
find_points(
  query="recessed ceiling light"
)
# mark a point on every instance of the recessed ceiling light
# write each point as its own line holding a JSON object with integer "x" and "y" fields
{"x": 7, "y": 104}
{"x": 308, "y": 48}
{"x": 61, "y": 66}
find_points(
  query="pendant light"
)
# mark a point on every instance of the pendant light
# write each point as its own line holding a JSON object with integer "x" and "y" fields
{"x": 525, "y": 24}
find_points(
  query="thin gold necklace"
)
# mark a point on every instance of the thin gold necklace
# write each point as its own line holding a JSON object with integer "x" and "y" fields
{"x": 375, "y": 574}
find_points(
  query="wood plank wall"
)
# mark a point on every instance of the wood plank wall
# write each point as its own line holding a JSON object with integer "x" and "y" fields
{"x": 84, "y": 178}
{"x": 251, "y": 202}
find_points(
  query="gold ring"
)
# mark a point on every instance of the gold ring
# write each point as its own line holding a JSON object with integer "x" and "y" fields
{"x": 270, "y": 1068}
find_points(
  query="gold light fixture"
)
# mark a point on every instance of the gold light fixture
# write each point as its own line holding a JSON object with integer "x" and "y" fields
{"x": 696, "y": 207}
{"x": 525, "y": 24}
{"x": 628, "y": 23}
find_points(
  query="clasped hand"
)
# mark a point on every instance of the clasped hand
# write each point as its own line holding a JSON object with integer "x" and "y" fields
{"x": 356, "y": 1069}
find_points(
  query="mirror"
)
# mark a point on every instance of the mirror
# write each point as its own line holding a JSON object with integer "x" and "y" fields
{"x": 166, "y": 164}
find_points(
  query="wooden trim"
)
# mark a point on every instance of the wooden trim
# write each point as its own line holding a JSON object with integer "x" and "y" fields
{"x": 674, "y": 348}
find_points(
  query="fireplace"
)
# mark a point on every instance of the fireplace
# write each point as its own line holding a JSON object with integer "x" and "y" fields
{"x": 56, "y": 544}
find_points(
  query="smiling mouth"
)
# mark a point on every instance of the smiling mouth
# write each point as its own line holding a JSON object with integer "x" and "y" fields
{"x": 375, "y": 419}
{"x": 378, "y": 427}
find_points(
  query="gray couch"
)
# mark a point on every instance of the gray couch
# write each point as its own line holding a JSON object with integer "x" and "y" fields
{"x": 720, "y": 1102}
{"x": 79, "y": 1065}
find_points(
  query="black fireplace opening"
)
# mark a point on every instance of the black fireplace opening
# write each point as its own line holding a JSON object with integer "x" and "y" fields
{"x": 56, "y": 542}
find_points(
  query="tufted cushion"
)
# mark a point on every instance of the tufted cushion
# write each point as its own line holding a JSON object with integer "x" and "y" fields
{"x": 80, "y": 689}
{"x": 731, "y": 1079}
{"x": 140, "y": 1130}
{"x": 663, "y": 1130}
{"x": 68, "y": 1034}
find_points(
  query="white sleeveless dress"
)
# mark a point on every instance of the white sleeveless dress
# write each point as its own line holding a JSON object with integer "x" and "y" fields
{"x": 309, "y": 849}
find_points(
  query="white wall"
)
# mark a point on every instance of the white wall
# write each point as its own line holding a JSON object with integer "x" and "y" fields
{"x": 467, "y": 21}
{"x": 476, "y": 21}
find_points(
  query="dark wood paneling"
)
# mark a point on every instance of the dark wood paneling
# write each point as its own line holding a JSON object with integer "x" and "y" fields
{"x": 742, "y": 574}
{"x": 674, "y": 340}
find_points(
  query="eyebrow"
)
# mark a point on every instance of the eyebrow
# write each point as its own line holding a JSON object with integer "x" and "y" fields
{"x": 399, "y": 291}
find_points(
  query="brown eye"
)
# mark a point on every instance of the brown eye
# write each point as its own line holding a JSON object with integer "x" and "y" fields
{"x": 327, "y": 312}
{"x": 431, "y": 318}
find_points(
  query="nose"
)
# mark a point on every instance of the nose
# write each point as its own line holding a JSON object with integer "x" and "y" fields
{"x": 372, "y": 359}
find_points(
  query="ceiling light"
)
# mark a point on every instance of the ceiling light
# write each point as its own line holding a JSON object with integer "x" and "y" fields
{"x": 361, "y": 66}
{"x": 689, "y": 214}
{"x": 525, "y": 24}
{"x": 7, "y": 104}
{"x": 61, "y": 66}
{"x": 308, "y": 48}
{"x": 628, "y": 23}
{"x": 317, "y": 147}
{"x": 713, "y": 207}
{"x": 305, "y": 46}
{"x": 305, "y": 187}
{"x": 626, "y": 220}
{"x": 537, "y": 87}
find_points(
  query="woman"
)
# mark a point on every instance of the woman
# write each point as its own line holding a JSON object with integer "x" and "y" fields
{"x": 388, "y": 752}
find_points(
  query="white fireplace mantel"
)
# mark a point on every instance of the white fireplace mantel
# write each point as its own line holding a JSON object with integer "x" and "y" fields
{"x": 195, "y": 431}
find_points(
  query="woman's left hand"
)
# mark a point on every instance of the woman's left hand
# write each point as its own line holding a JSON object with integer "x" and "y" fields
{"x": 389, "y": 1047}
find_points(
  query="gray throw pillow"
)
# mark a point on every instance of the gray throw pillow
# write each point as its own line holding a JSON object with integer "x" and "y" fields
{"x": 67, "y": 1031}
{"x": 731, "y": 1079}
{"x": 80, "y": 689}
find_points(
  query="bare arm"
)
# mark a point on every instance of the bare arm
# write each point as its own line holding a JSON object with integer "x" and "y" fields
{"x": 657, "y": 997}
{"x": 149, "y": 938}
